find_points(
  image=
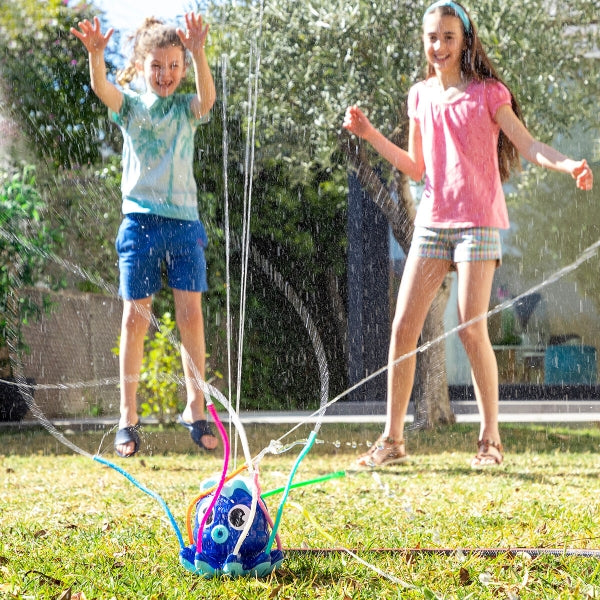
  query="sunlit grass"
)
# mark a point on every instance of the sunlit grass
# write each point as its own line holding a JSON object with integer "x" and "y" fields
{"x": 68, "y": 523}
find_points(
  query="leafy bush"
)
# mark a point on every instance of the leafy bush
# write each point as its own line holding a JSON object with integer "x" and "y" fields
{"x": 161, "y": 375}
{"x": 46, "y": 82}
{"x": 25, "y": 239}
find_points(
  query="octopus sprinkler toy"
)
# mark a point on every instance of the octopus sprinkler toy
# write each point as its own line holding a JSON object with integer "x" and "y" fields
{"x": 220, "y": 547}
{"x": 229, "y": 528}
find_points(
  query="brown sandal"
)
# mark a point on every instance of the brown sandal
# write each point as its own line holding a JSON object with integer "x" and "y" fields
{"x": 385, "y": 451}
{"x": 485, "y": 458}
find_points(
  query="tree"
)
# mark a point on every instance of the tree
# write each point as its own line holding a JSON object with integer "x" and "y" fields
{"x": 45, "y": 82}
{"x": 302, "y": 100}
{"x": 56, "y": 122}
{"x": 61, "y": 124}
{"x": 317, "y": 58}
{"x": 25, "y": 238}
{"x": 279, "y": 368}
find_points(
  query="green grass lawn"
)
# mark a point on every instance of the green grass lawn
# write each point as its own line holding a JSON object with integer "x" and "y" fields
{"x": 72, "y": 528}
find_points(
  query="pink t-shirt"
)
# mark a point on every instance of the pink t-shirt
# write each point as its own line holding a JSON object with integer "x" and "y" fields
{"x": 460, "y": 139}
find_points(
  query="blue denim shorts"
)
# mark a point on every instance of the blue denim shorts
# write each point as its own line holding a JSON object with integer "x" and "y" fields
{"x": 458, "y": 245}
{"x": 147, "y": 242}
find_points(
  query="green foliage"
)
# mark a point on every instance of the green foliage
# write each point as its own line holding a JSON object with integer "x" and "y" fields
{"x": 86, "y": 209}
{"x": 543, "y": 56}
{"x": 300, "y": 228}
{"x": 25, "y": 240}
{"x": 45, "y": 81}
{"x": 307, "y": 246}
{"x": 161, "y": 373}
{"x": 316, "y": 59}
{"x": 319, "y": 57}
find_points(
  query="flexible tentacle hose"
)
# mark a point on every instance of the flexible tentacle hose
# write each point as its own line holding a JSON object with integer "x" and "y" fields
{"x": 226, "y": 451}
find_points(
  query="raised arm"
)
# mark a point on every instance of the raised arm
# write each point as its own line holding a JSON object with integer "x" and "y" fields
{"x": 410, "y": 162}
{"x": 541, "y": 154}
{"x": 95, "y": 42}
{"x": 194, "y": 38}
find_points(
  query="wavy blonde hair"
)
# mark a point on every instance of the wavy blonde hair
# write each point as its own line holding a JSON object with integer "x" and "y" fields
{"x": 152, "y": 34}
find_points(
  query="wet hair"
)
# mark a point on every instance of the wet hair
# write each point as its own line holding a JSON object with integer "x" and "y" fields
{"x": 476, "y": 64}
{"x": 152, "y": 34}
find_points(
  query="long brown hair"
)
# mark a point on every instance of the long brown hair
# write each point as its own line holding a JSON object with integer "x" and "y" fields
{"x": 476, "y": 64}
{"x": 153, "y": 33}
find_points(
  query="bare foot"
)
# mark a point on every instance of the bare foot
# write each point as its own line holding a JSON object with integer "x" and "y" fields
{"x": 190, "y": 416}
{"x": 489, "y": 454}
{"x": 127, "y": 440}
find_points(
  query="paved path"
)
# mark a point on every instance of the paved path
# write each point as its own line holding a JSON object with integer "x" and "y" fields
{"x": 511, "y": 411}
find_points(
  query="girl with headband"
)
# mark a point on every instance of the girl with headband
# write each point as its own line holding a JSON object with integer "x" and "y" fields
{"x": 466, "y": 134}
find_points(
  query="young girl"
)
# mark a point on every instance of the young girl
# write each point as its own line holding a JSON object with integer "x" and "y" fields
{"x": 465, "y": 136}
{"x": 160, "y": 208}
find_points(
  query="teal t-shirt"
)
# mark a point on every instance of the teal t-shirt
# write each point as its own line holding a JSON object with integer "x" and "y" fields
{"x": 158, "y": 152}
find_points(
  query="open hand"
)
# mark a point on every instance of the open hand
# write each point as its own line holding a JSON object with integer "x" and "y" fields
{"x": 583, "y": 176}
{"x": 194, "y": 37}
{"x": 91, "y": 35}
{"x": 356, "y": 122}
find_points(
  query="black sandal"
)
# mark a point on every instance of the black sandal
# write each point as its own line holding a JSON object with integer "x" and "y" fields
{"x": 126, "y": 435}
{"x": 197, "y": 430}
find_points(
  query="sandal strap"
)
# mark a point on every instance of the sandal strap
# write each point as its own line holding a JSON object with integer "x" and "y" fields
{"x": 486, "y": 443}
{"x": 485, "y": 458}
{"x": 198, "y": 429}
{"x": 385, "y": 451}
{"x": 386, "y": 439}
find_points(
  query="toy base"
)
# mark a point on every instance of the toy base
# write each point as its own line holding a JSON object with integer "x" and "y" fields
{"x": 260, "y": 565}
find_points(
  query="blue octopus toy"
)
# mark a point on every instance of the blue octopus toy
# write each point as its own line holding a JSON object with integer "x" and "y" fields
{"x": 222, "y": 531}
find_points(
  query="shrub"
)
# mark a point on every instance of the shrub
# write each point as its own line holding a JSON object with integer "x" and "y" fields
{"x": 161, "y": 375}
{"x": 25, "y": 241}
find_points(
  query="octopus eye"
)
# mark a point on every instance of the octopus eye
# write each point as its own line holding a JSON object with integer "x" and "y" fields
{"x": 202, "y": 512}
{"x": 238, "y": 516}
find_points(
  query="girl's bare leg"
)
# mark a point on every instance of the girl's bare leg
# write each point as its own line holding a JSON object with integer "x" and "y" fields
{"x": 421, "y": 280}
{"x": 474, "y": 290}
{"x": 190, "y": 322}
{"x": 134, "y": 325}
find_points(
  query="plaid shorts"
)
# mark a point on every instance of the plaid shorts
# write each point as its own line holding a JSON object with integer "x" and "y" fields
{"x": 458, "y": 245}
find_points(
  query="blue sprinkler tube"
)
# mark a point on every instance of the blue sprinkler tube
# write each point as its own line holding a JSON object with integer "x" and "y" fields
{"x": 150, "y": 493}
